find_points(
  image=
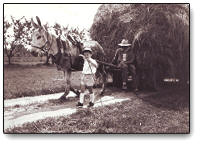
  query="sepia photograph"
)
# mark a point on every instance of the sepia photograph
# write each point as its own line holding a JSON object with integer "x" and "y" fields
{"x": 92, "y": 68}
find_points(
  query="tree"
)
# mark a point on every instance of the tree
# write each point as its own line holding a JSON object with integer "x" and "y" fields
{"x": 16, "y": 32}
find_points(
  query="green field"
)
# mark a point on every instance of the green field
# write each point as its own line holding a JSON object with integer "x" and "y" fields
{"x": 29, "y": 80}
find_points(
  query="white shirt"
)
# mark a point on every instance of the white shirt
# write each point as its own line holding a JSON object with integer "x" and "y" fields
{"x": 89, "y": 69}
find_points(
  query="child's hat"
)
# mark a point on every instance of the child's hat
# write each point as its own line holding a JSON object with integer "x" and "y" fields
{"x": 87, "y": 49}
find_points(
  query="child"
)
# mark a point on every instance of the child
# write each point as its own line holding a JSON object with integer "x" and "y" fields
{"x": 88, "y": 77}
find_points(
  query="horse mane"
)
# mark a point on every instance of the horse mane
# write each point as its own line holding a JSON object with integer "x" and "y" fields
{"x": 63, "y": 44}
{"x": 59, "y": 45}
{"x": 75, "y": 42}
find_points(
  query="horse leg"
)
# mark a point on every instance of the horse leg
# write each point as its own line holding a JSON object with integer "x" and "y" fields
{"x": 67, "y": 75}
{"x": 75, "y": 91}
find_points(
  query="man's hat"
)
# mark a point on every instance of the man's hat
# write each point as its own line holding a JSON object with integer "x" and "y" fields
{"x": 124, "y": 42}
{"x": 87, "y": 49}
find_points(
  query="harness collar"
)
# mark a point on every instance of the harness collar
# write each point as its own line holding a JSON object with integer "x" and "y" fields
{"x": 60, "y": 57}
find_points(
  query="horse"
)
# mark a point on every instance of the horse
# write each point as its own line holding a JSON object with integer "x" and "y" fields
{"x": 65, "y": 53}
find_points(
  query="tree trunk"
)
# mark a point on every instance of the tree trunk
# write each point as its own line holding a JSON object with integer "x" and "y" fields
{"x": 9, "y": 60}
{"x": 9, "y": 55}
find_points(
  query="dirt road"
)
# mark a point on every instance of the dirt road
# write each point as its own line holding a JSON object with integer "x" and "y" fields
{"x": 29, "y": 109}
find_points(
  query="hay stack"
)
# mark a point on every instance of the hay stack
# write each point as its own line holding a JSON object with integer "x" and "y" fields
{"x": 159, "y": 34}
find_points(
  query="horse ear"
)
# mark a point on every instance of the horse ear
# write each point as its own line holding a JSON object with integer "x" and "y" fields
{"x": 45, "y": 27}
{"x": 33, "y": 23}
{"x": 38, "y": 20}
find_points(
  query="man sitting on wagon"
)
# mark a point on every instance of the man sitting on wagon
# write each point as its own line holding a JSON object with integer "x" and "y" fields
{"x": 124, "y": 59}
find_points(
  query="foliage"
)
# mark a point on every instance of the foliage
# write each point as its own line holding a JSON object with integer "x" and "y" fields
{"x": 21, "y": 51}
{"x": 16, "y": 34}
{"x": 159, "y": 34}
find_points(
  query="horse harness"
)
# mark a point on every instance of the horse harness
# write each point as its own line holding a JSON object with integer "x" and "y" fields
{"x": 62, "y": 59}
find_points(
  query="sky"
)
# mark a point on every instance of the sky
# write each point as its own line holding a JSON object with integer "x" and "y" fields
{"x": 74, "y": 15}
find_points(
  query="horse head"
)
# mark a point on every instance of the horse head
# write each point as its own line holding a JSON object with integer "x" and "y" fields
{"x": 41, "y": 39}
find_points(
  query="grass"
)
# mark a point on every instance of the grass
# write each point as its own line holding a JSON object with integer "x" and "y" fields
{"x": 163, "y": 112}
{"x": 29, "y": 80}
{"x": 139, "y": 115}
{"x": 25, "y": 60}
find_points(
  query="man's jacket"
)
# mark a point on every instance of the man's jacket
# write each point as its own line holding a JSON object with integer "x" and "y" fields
{"x": 126, "y": 55}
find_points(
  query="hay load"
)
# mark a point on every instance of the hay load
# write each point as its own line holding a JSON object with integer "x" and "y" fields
{"x": 159, "y": 34}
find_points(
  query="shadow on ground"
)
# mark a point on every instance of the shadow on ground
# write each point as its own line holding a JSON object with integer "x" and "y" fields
{"x": 176, "y": 99}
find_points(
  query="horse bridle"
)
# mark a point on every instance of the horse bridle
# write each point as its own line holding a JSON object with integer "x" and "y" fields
{"x": 42, "y": 48}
